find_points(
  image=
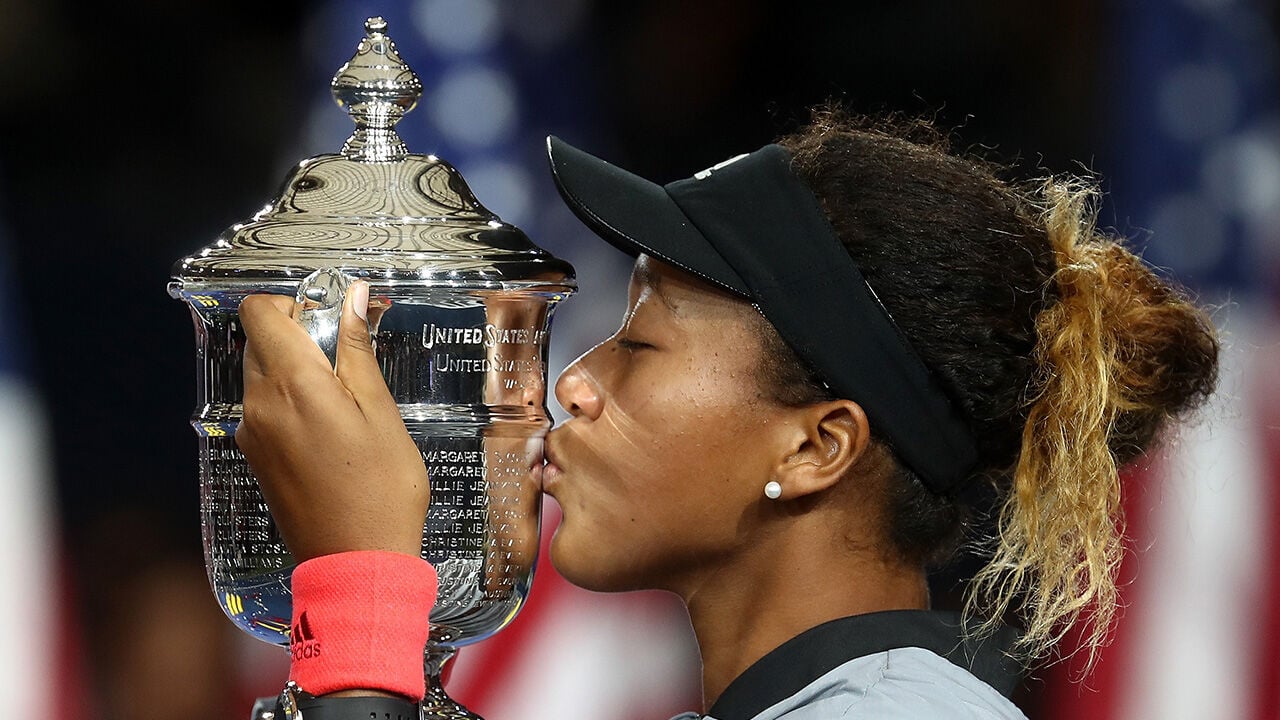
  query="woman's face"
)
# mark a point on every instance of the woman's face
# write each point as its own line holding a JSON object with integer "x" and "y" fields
{"x": 662, "y": 465}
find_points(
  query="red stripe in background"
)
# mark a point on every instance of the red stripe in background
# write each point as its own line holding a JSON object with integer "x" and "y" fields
{"x": 70, "y": 687}
{"x": 1266, "y": 684}
{"x": 502, "y": 652}
{"x": 501, "y": 658}
{"x": 1097, "y": 697}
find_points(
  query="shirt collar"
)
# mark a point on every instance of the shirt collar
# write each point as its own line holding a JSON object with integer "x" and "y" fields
{"x": 795, "y": 664}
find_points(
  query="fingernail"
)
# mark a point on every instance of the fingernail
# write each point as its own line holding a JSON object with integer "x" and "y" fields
{"x": 360, "y": 299}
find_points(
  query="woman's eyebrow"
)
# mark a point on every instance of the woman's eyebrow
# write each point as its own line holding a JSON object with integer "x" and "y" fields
{"x": 643, "y": 273}
{"x": 648, "y": 278}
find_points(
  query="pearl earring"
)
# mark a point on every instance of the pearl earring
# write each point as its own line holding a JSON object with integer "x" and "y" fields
{"x": 772, "y": 490}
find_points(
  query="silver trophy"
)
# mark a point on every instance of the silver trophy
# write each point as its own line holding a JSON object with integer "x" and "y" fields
{"x": 460, "y": 311}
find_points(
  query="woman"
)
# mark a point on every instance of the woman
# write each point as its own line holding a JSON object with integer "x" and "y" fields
{"x": 839, "y": 352}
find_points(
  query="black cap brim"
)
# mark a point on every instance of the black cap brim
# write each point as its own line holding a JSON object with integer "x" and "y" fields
{"x": 635, "y": 215}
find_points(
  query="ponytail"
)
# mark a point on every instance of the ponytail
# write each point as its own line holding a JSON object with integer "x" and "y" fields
{"x": 1118, "y": 355}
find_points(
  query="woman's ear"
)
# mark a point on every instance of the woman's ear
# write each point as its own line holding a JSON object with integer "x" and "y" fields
{"x": 830, "y": 437}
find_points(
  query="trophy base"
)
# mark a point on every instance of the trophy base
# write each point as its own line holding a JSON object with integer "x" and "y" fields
{"x": 434, "y": 707}
{"x": 438, "y": 706}
{"x": 436, "y": 703}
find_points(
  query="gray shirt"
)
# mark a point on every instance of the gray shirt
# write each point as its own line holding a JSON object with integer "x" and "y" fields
{"x": 900, "y": 664}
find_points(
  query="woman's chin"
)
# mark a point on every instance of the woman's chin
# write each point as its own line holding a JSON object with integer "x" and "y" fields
{"x": 584, "y": 565}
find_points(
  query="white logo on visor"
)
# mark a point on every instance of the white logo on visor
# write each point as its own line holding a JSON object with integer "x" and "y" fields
{"x": 707, "y": 173}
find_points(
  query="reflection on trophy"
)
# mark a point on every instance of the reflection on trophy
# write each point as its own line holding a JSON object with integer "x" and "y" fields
{"x": 460, "y": 311}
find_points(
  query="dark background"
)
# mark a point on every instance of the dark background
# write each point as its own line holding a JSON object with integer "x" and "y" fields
{"x": 132, "y": 133}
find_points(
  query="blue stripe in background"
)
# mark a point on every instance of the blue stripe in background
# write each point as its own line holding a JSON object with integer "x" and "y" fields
{"x": 1197, "y": 140}
{"x": 495, "y": 84}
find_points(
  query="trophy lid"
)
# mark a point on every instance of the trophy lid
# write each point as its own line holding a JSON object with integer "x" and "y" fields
{"x": 374, "y": 210}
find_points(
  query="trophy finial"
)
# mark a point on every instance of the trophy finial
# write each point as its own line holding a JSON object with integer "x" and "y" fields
{"x": 377, "y": 88}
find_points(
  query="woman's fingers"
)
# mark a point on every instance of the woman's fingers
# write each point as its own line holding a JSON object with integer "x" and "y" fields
{"x": 276, "y": 344}
{"x": 286, "y": 375}
{"x": 329, "y": 450}
{"x": 356, "y": 365}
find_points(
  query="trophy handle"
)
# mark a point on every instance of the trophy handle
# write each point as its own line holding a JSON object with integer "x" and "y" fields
{"x": 319, "y": 307}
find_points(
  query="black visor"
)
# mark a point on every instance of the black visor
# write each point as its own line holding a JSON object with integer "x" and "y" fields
{"x": 751, "y": 226}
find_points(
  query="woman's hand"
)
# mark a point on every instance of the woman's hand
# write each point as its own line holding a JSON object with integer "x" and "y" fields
{"x": 332, "y": 455}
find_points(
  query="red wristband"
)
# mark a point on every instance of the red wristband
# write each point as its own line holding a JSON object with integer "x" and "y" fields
{"x": 361, "y": 620}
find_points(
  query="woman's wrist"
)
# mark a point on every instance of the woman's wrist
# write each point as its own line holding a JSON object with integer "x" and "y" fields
{"x": 360, "y": 623}
{"x": 294, "y": 701}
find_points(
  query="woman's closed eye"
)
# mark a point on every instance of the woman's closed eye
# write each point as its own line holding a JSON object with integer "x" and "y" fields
{"x": 631, "y": 345}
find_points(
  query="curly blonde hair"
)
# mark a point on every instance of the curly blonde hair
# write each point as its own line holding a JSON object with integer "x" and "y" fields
{"x": 1119, "y": 355}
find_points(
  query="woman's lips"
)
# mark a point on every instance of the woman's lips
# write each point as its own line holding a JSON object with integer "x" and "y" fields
{"x": 534, "y": 451}
{"x": 551, "y": 472}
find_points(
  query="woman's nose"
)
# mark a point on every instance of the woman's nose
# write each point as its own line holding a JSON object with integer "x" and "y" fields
{"x": 578, "y": 392}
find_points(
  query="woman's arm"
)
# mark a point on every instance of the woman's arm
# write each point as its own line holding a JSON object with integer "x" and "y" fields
{"x": 348, "y": 490}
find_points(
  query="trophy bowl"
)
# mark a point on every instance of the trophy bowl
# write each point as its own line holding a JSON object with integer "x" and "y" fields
{"x": 460, "y": 312}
